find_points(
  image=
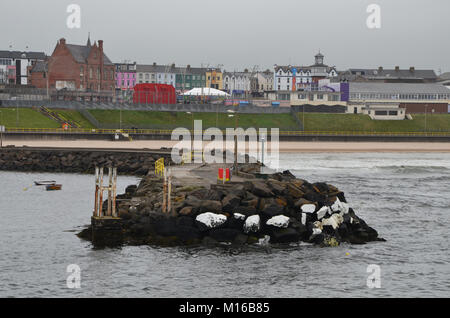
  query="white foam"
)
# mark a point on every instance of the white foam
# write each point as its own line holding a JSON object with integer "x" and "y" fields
{"x": 211, "y": 220}
{"x": 308, "y": 208}
{"x": 252, "y": 224}
{"x": 281, "y": 221}
{"x": 317, "y": 231}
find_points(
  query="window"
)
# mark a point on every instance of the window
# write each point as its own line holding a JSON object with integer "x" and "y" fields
{"x": 90, "y": 73}
{"x": 319, "y": 96}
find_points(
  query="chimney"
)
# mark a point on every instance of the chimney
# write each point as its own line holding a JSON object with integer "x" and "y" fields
{"x": 380, "y": 69}
{"x": 62, "y": 41}
{"x": 397, "y": 68}
{"x": 154, "y": 63}
{"x": 189, "y": 66}
{"x": 412, "y": 69}
{"x": 173, "y": 65}
{"x": 100, "y": 44}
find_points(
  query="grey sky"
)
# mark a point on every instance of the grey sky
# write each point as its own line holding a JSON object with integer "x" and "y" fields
{"x": 240, "y": 33}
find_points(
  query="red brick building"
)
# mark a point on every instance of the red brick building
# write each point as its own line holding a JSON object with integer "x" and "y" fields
{"x": 76, "y": 72}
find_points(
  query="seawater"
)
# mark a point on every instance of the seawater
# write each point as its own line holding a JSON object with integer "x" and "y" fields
{"x": 404, "y": 196}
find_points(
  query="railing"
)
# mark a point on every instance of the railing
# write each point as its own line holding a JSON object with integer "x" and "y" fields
{"x": 169, "y": 132}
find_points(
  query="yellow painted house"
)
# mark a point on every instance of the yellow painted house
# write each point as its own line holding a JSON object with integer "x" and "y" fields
{"x": 214, "y": 79}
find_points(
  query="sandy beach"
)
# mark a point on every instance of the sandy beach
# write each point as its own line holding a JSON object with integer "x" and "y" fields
{"x": 315, "y": 146}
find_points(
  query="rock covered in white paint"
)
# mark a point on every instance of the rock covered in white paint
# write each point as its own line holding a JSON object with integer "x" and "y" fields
{"x": 211, "y": 220}
{"x": 322, "y": 212}
{"x": 335, "y": 207}
{"x": 252, "y": 224}
{"x": 308, "y": 208}
{"x": 304, "y": 218}
{"x": 335, "y": 221}
{"x": 239, "y": 216}
{"x": 281, "y": 221}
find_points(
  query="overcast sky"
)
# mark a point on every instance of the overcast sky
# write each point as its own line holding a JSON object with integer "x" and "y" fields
{"x": 240, "y": 33}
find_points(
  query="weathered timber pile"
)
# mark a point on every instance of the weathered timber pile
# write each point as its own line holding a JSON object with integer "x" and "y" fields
{"x": 279, "y": 209}
{"x": 76, "y": 161}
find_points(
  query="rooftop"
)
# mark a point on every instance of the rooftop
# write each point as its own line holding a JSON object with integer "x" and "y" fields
{"x": 23, "y": 55}
{"x": 398, "y": 88}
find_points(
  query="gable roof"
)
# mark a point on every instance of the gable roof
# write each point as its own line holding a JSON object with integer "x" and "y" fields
{"x": 20, "y": 55}
{"x": 81, "y": 52}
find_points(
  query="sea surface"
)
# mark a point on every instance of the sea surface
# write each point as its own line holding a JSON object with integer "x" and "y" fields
{"x": 405, "y": 196}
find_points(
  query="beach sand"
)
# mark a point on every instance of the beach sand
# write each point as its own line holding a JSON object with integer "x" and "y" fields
{"x": 313, "y": 146}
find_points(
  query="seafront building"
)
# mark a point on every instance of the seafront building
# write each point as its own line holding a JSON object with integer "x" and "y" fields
{"x": 290, "y": 77}
{"x": 237, "y": 84}
{"x": 189, "y": 77}
{"x": 381, "y": 75}
{"x": 214, "y": 78}
{"x": 415, "y": 98}
{"x": 157, "y": 74}
{"x": 15, "y": 66}
{"x": 76, "y": 72}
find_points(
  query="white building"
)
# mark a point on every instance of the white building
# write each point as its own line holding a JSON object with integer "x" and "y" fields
{"x": 156, "y": 74}
{"x": 263, "y": 81}
{"x": 237, "y": 83}
{"x": 297, "y": 77}
{"x": 14, "y": 66}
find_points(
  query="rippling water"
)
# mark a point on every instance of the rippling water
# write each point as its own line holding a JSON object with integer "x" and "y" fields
{"x": 404, "y": 196}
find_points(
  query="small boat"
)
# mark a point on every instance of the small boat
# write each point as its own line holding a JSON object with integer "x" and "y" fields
{"x": 53, "y": 187}
{"x": 42, "y": 183}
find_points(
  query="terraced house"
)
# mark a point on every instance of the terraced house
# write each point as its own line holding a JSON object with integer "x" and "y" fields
{"x": 189, "y": 77}
{"x": 156, "y": 74}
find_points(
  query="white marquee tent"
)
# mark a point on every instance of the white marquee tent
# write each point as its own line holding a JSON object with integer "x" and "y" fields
{"x": 206, "y": 91}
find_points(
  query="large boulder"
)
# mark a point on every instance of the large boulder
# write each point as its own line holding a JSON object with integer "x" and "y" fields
{"x": 208, "y": 220}
{"x": 252, "y": 224}
{"x": 260, "y": 189}
{"x": 230, "y": 202}
{"x": 280, "y": 221}
{"x": 224, "y": 235}
{"x": 287, "y": 235}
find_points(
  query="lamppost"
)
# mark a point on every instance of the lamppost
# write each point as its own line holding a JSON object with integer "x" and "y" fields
{"x": 1, "y": 129}
{"x": 236, "y": 120}
{"x": 192, "y": 133}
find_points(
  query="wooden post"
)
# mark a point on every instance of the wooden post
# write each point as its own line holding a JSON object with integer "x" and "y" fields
{"x": 169, "y": 194}
{"x": 164, "y": 207}
{"x": 114, "y": 193}
{"x": 100, "y": 206}
{"x": 96, "y": 191}
{"x": 109, "y": 211}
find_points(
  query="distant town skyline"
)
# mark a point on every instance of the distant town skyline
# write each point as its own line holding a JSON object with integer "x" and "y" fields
{"x": 240, "y": 34}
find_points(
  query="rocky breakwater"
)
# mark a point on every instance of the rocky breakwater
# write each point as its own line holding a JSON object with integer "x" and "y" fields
{"x": 277, "y": 209}
{"x": 129, "y": 163}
